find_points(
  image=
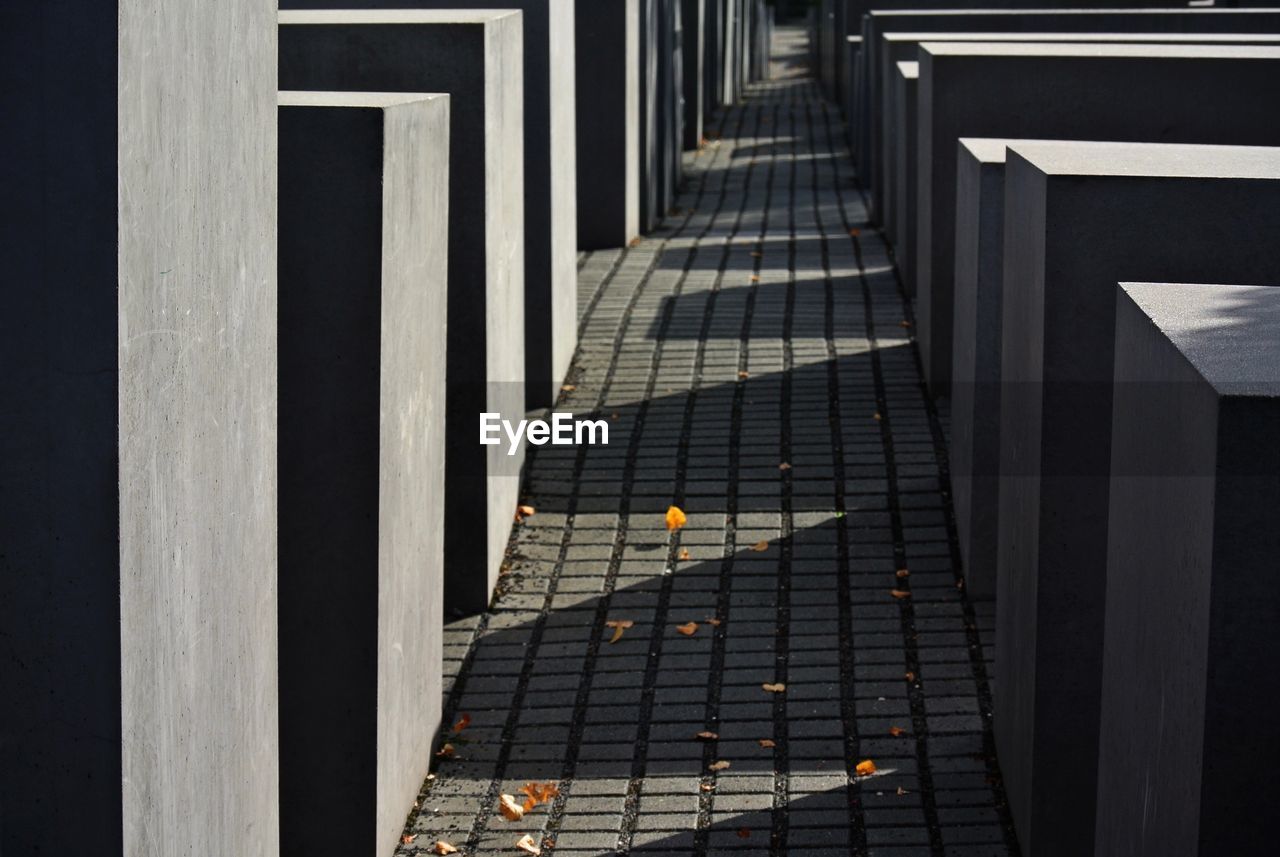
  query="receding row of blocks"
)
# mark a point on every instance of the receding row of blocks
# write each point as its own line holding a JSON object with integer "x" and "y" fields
{"x": 267, "y": 270}
{"x": 1113, "y": 430}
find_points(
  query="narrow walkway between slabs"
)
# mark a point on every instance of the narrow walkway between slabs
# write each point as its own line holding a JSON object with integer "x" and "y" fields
{"x": 715, "y": 690}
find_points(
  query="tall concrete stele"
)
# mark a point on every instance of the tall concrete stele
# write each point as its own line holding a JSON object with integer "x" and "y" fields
{"x": 138, "y": 436}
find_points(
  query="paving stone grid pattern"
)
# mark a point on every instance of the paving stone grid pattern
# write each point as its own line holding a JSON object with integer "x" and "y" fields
{"x": 763, "y": 325}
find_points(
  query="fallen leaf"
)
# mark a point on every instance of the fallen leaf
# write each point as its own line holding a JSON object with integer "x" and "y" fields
{"x": 774, "y": 688}
{"x": 876, "y": 416}
{"x": 445, "y": 751}
{"x": 960, "y": 583}
{"x": 910, "y": 677}
{"x": 712, "y": 621}
{"x": 767, "y": 743}
{"x": 754, "y": 278}
{"x": 756, "y": 254}
{"x": 523, "y": 512}
{"x": 568, "y": 388}
{"x": 463, "y": 722}
{"x": 902, "y": 791}
{"x": 904, "y": 323}
{"x": 537, "y": 793}
{"x": 899, "y": 593}
{"x": 707, "y": 736}
{"x": 676, "y": 518}
{"x": 855, "y": 232}
{"x": 744, "y": 833}
{"x": 443, "y": 847}
{"x": 897, "y": 731}
{"x": 744, "y": 375}
{"x": 684, "y": 554}
{"x": 706, "y": 787}
{"x": 865, "y": 768}
{"x": 760, "y": 547}
{"x": 634, "y": 242}
{"x": 718, "y": 766}
{"x": 509, "y": 808}
{"x": 528, "y": 845}
{"x": 784, "y": 466}
{"x": 902, "y": 574}
{"x": 408, "y": 838}
{"x": 688, "y": 628}
{"x": 618, "y": 626}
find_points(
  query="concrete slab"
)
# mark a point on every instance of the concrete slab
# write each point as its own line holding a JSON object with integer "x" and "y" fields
{"x": 694, "y": 24}
{"x": 1080, "y": 217}
{"x": 1167, "y": 93}
{"x": 476, "y": 57}
{"x": 1192, "y": 546}
{"x": 364, "y": 188}
{"x": 991, "y": 18}
{"x": 608, "y": 135}
{"x": 138, "y": 434}
{"x": 896, "y": 225}
{"x": 551, "y": 180}
{"x": 661, "y": 112}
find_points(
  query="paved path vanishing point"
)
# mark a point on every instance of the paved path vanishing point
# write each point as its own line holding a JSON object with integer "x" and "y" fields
{"x": 755, "y": 359}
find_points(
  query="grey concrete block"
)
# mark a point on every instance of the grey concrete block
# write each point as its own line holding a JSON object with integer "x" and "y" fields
{"x": 1191, "y": 595}
{"x": 476, "y": 57}
{"x": 885, "y": 19}
{"x": 364, "y": 187}
{"x": 608, "y": 71}
{"x": 138, "y": 435}
{"x": 661, "y": 110}
{"x": 1080, "y": 217}
{"x": 1167, "y": 93}
{"x": 694, "y": 24}
{"x": 713, "y": 42}
{"x": 898, "y": 228}
{"x": 551, "y": 180}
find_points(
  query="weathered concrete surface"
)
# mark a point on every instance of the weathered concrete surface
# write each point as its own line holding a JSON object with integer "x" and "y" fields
{"x": 1195, "y": 480}
{"x": 551, "y": 179}
{"x": 880, "y": 20}
{"x": 903, "y": 99}
{"x": 607, "y": 36}
{"x": 477, "y": 58}
{"x": 1080, "y": 217}
{"x": 661, "y": 113}
{"x": 364, "y": 189}
{"x": 694, "y": 25}
{"x": 1166, "y": 93}
{"x": 138, "y": 437}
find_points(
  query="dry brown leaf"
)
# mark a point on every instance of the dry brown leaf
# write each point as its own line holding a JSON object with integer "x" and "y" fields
{"x": 897, "y": 731}
{"x": 902, "y": 574}
{"x": 707, "y": 736}
{"x": 688, "y": 628}
{"x": 634, "y": 242}
{"x": 568, "y": 388}
{"x": 712, "y": 621}
{"x": 855, "y": 232}
{"x": 618, "y": 626}
{"x": 443, "y": 847}
{"x": 684, "y": 554}
{"x": 527, "y": 844}
{"x": 756, "y": 254}
{"x": 463, "y": 722}
{"x": 511, "y": 810}
{"x": 902, "y": 791}
{"x": 784, "y": 466}
{"x": 539, "y": 793}
{"x": 865, "y": 768}
{"x": 760, "y": 547}
{"x": 899, "y": 593}
{"x": 904, "y": 323}
{"x": 744, "y": 832}
{"x": 774, "y": 688}
{"x": 445, "y": 751}
{"x": 910, "y": 677}
{"x": 676, "y": 518}
{"x": 744, "y": 375}
{"x": 706, "y": 787}
{"x": 718, "y": 766}
{"x": 754, "y": 278}
{"x": 767, "y": 743}
{"x": 408, "y": 838}
{"x": 876, "y": 416}
{"x": 617, "y": 635}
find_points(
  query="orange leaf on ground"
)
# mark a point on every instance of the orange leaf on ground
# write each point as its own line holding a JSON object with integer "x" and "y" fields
{"x": 876, "y": 416}
{"x": 706, "y": 787}
{"x": 784, "y": 466}
{"x": 899, "y": 593}
{"x": 634, "y": 242}
{"x": 910, "y": 676}
{"x": 902, "y": 574}
{"x": 527, "y": 511}
{"x": 463, "y": 722}
{"x": 706, "y": 736}
{"x": 568, "y": 388}
{"x": 618, "y": 626}
{"x": 528, "y": 845}
{"x": 897, "y": 731}
{"x": 855, "y": 232}
{"x": 774, "y": 688}
{"x": 408, "y": 838}
{"x": 902, "y": 791}
{"x": 760, "y": 547}
{"x": 445, "y": 751}
{"x": 713, "y": 622}
{"x": 676, "y": 518}
{"x": 865, "y": 768}
{"x": 754, "y": 278}
{"x": 904, "y": 323}
{"x": 718, "y": 766}
{"x": 509, "y": 808}
{"x": 443, "y": 847}
{"x": 684, "y": 554}
{"x": 539, "y": 793}
{"x": 767, "y": 743}
{"x": 744, "y": 375}
{"x": 688, "y": 628}
{"x": 744, "y": 833}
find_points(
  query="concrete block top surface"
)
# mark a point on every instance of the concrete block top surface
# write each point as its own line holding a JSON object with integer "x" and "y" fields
{"x": 1229, "y": 334}
{"x": 995, "y": 150}
{"x": 393, "y": 16}
{"x": 293, "y": 98}
{"x": 882, "y": 13}
{"x": 1154, "y": 160}
{"x": 909, "y": 70}
{"x": 1168, "y": 38}
{"x": 1094, "y": 49}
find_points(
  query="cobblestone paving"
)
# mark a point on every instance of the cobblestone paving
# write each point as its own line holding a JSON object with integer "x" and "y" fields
{"x": 756, "y": 362}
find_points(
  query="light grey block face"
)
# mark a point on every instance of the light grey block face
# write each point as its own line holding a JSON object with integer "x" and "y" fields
{"x": 1192, "y": 546}
{"x": 477, "y": 58}
{"x": 903, "y": 180}
{"x": 138, "y": 442}
{"x": 1167, "y": 93}
{"x": 550, "y": 168}
{"x": 694, "y": 18}
{"x": 608, "y": 71}
{"x": 364, "y": 188}
{"x": 1172, "y": 213}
